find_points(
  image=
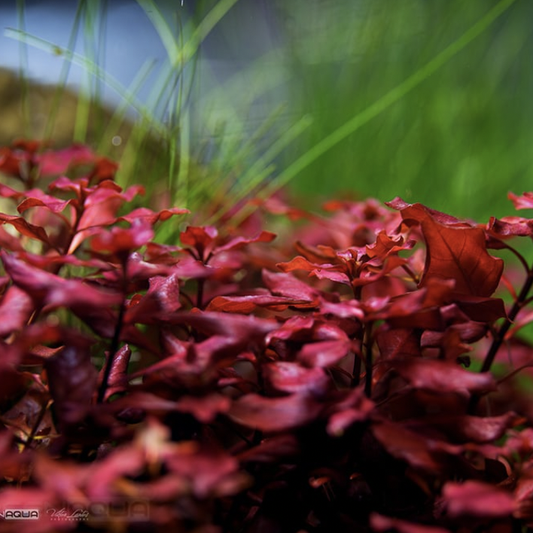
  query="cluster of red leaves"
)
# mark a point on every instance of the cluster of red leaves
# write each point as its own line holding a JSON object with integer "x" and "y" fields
{"x": 338, "y": 379}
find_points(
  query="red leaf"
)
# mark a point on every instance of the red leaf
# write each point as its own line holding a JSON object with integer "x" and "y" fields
{"x": 476, "y": 499}
{"x": 443, "y": 376}
{"x": 288, "y": 286}
{"x": 25, "y": 228}
{"x": 240, "y": 242}
{"x": 466, "y": 428}
{"x": 291, "y": 377}
{"x": 152, "y": 217}
{"x": 324, "y": 353}
{"x": 275, "y": 414}
{"x": 117, "y": 378}
{"x": 456, "y": 251}
{"x": 123, "y": 240}
{"x": 16, "y": 309}
{"x": 420, "y": 452}
{"x": 385, "y": 524}
{"x": 354, "y": 407}
{"x": 54, "y": 162}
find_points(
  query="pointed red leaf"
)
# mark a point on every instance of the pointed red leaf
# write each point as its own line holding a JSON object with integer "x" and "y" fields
{"x": 456, "y": 251}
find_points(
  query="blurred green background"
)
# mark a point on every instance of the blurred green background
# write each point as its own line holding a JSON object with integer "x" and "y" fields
{"x": 458, "y": 141}
{"x": 430, "y": 100}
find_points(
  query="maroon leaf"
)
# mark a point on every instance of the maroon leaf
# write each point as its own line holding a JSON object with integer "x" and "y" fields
{"x": 291, "y": 377}
{"x": 53, "y": 290}
{"x": 354, "y": 407}
{"x": 275, "y": 414}
{"x": 443, "y": 376}
{"x": 424, "y": 453}
{"x": 117, "y": 377}
{"x": 72, "y": 379}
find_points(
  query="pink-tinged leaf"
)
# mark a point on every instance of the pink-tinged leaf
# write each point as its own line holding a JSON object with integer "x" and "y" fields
{"x": 275, "y": 414}
{"x": 332, "y": 275}
{"x": 522, "y": 202}
{"x": 418, "y": 451}
{"x": 292, "y": 377}
{"x": 72, "y": 378}
{"x": 152, "y": 217}
{"x": 117, "y": 381}
{"x": 476, "y": 499}
{"x": 123, "y": 240}
{"x": 236, "y": 327}
{"x": 456, "y": 251}
{"x": 16, "y": 309}
{"x": 323, "y": 354}
{"x": 240, "y": 242}
{"x": 510, "y": 227}
{"x": 25, "y": 228}
{"x": 204, "y": 408}
{"x": 344, "y": 309}
{"x": 386, "y": 524}
{"x": 36, "y": 198}
{"x": 443, "y": 376}
{"x": 54, "y": 162}
{"x": 8, "y": 192}
{"x": 288, "y": 286}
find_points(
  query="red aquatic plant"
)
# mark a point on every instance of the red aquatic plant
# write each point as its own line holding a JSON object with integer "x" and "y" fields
{"x": 367, "y": 369}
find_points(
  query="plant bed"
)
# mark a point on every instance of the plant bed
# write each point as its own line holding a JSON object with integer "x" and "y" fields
{"x": 362, "y": 370}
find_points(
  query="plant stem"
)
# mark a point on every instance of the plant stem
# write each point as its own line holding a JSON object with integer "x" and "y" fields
{"x": 367, "y": 350}
{"x": 497, "y": 342}
{"x": 113, "y": 348}
{"x": 500, "y": 336}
